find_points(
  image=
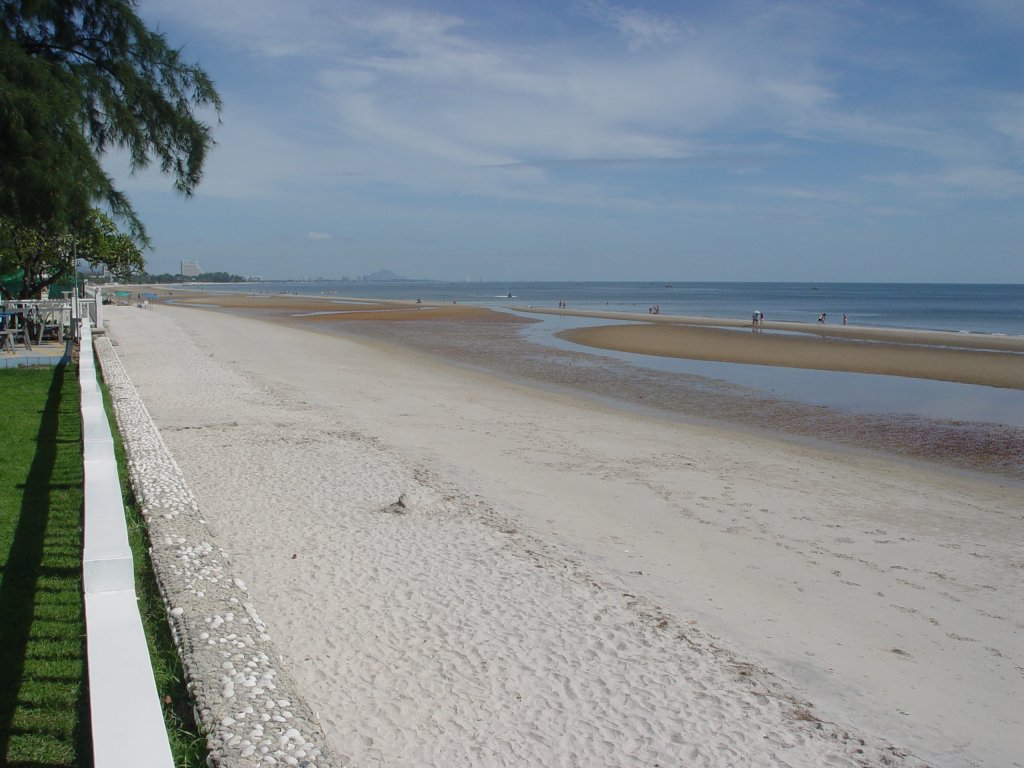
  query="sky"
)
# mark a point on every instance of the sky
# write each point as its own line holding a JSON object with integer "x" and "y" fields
{"x": 598, "y": 140}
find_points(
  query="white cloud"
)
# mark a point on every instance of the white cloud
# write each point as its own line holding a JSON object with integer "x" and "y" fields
{"x": 432, "y": 86}
{"x": 840, "y": 196}
{"x": 1008, "y": 119}
{"x": 984, "y": 182}
{"x": 642, "y": 29}
{"x": 429, "y": 105}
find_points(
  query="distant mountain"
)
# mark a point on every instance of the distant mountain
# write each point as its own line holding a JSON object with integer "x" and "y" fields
{"x": 383, "y": 276}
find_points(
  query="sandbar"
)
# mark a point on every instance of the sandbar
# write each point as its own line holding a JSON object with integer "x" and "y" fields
{"x": 915, "y": 336}
{"x": 930, "y": 356}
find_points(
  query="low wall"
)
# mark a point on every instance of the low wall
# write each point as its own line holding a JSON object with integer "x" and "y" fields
{"x": 127, "y": 721}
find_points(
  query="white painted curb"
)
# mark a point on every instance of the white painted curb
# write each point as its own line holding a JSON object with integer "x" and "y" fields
{"x": 127, "y": 721}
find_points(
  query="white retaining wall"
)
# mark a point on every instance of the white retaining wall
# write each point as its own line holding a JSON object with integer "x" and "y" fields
{"x": 127, "y": 721}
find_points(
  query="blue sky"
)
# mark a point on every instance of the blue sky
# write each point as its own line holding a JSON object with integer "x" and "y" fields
{"x": 597, "y": 140}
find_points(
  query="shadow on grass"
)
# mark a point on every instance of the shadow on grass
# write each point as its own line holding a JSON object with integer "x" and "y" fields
{"x": 43, "y": 688}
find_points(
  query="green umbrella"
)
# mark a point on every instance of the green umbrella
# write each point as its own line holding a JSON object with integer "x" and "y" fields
{"x": 13, "y": 281}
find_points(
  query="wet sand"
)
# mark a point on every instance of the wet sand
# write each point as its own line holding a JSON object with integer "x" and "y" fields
{"x": 493, "y": 341}
{"x": 930, "y": 356}
{"x": 917, "y": 337}
{"x": 313, "y": 308}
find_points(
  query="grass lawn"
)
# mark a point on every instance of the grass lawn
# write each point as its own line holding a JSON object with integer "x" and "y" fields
{"x": 44, "y": 709}
{"x": 43, "y": 688}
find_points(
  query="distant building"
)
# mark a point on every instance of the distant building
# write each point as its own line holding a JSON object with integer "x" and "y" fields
{"x": 190, "y": 269}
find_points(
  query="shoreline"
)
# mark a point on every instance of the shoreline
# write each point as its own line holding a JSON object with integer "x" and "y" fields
{"x": 934, "y": 308}
{"x": 910, "y": 336}
{"x": 875, "y": 591}
{"x": 695, "y": 337}
{"x": 492, "y": 340}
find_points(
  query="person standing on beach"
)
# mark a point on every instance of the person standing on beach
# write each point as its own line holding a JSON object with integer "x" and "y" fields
{"x": 844, "y": 318}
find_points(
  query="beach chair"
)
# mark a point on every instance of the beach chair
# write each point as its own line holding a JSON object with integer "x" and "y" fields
{"x": 50, "y": 322}
{"x": 6, "y": 335}
{"x": 14, "y": 326}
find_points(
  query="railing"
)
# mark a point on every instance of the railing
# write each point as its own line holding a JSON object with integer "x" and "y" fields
{"x": 127, "y": 721}
{"x": 92, "y": 305}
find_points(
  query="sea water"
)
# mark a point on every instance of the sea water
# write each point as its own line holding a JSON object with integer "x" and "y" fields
{"x": 854, "y": 392}
{"x": 973, "y": 308}
{"x": 965, "y": 308}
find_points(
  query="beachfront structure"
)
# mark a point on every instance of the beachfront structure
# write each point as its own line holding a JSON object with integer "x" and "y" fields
{"x": 190, "y": 268}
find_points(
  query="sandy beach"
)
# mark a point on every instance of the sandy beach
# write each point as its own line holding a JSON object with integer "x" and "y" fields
{"x": 459, "y": 569}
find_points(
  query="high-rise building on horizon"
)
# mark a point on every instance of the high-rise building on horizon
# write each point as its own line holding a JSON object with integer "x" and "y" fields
{"x": 190, "y": 268}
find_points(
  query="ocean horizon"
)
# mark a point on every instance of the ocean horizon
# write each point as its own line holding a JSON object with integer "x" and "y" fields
{"x": 958, "y": 307}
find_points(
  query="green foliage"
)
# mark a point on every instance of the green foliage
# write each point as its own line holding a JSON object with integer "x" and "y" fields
{"x": 46, "y": 256}
{"x": 206, "y": 277}
{"x": 218, "y": 277}
{"x": 77, "y": 78}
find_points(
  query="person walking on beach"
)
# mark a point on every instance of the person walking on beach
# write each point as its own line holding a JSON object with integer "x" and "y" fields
{"x": 844, "y": 318}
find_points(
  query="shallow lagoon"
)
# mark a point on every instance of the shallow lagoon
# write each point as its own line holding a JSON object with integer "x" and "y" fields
{"x": 854, "y": 392}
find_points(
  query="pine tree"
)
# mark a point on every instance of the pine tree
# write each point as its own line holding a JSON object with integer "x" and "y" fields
{"x": 77, "y": 78}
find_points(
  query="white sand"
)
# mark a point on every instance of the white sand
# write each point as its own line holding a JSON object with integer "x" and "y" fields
{"x": 888, "y": 596}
